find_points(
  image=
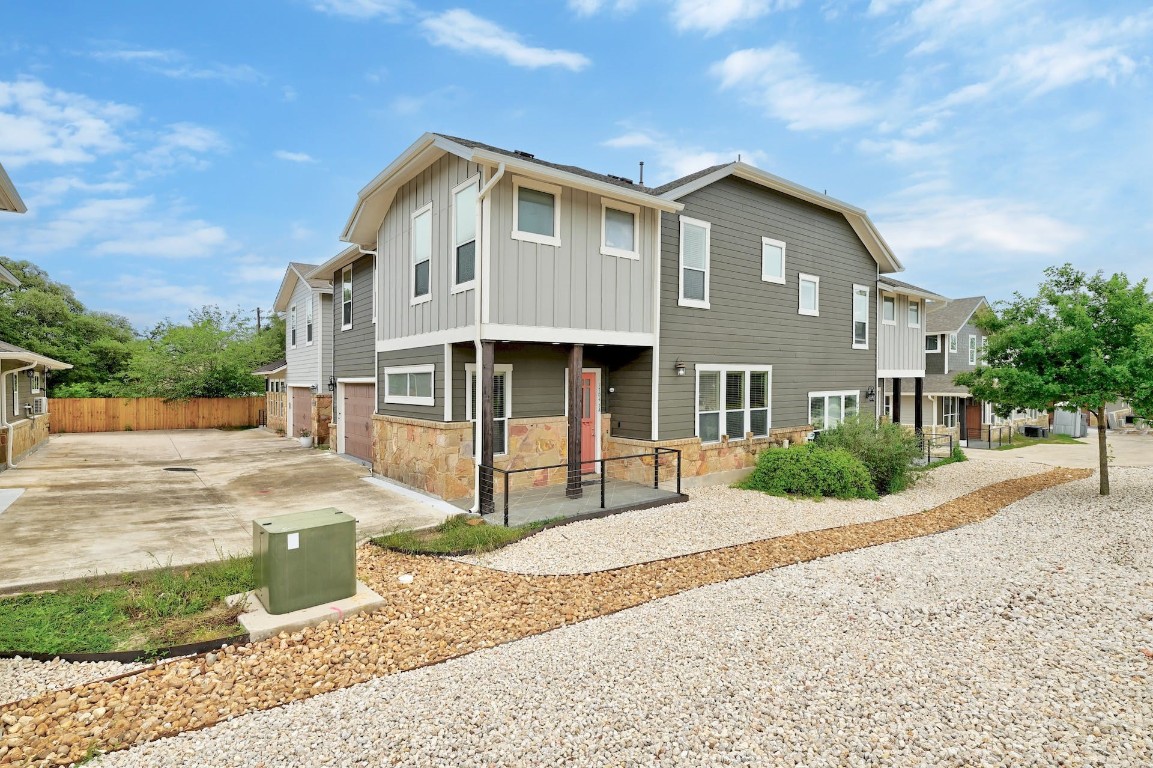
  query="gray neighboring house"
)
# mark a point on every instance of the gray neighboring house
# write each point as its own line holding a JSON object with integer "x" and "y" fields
{"x": 306, "y": 305}
{"x": 901, "y": 322}
{"x": 721, "y": 313}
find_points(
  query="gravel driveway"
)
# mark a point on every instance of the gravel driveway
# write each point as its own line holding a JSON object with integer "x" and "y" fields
{"x": 1023, "y": 640}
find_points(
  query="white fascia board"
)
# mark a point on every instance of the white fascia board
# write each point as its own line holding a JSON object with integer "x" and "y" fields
{"x": 35, "y": 359}
{"x": 908, "y": 373}
{"x": 8, "y": 277}
{"x": 9, "y": 197}
{"x": 916, "y": 293}
{"x": 576, "y": 181}
{"x": 339, "y": 261}
{"x": 586, "y": 336}
{"x": 287, "y": 287}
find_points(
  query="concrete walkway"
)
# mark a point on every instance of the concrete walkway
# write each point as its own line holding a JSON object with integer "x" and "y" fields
{"x": 1126, "y": 450}
{"x": 103, "y": 503}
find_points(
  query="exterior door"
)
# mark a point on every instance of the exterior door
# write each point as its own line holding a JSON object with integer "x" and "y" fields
{"x": 590, "y": 409}
{"x": 359, "y": 405}
{"x": 301, "y": 410}
{"x": 973, "y": 419}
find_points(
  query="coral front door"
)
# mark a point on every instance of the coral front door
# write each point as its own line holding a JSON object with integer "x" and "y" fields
{"x": 589, "y": 409}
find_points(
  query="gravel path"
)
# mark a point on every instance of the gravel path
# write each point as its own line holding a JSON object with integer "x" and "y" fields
{"x": 719, "y": 516}
{"x": 22, "y": 677}
{"x": 1023, "y": 640}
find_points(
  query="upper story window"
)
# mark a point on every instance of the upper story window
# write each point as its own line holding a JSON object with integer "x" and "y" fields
{"x": 914, "y": 314}
{"x": 732, "y": 401}
{"x": 953, "y": 343}
{"x": 536, "y": 212}
{"x": 809, "y": 300}
{"x": 619, "y": 230}
{"x": 694, "y": 268}
{"x": 860, "y": 317}
{"x": 464, "y": 234}
{"x": 889, "y": 310}
{"x": 772, "y": 260}
{"x": 308, "y": 322}
{"x": 346, "y": 298}
{"x": 972, "y": 349}
{"x": 292, "y": 326}
{"x": 410, "y": 385}
{"x": 422, "y": 255}
{"x": 933, "y": 343}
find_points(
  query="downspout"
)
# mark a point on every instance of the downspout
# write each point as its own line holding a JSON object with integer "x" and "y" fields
{"x": 3, "y": 409}
{"x": 375, "y": 315}
{"x": 477, "y": 299}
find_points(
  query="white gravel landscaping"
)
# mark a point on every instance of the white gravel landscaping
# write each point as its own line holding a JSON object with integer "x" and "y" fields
{"x": 1019, "y": 641}
{"x": 719, "y": 516}
{"x": 21, "y": 678}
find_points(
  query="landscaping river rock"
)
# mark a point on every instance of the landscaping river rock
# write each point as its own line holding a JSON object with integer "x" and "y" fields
{"x": 450, "y": 609}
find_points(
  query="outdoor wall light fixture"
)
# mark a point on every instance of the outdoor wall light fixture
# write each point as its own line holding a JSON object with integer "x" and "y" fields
{"x": 680, "y": 367}
{"x": 870, "y": 394}
{"x": 331, "y": 383}
{"x": 312, "y": 389}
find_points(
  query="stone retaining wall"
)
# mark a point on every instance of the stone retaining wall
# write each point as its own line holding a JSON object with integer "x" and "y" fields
{"x": 27, "y": 436}
{"x": 321, "y": 418}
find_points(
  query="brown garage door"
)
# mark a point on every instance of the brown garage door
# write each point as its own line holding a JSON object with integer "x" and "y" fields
{"x": 359, "y": 405}
{"x": 301, "y": 410}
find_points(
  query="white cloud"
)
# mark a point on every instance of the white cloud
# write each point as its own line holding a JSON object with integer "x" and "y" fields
{"x": 178, "y": 65}
{"x": 462, "y": 31}
{"x": 713, "y": 16}
{"x": 668, "y": 159}
{"x": 901, "y": 150}
{"x": 181, "y": 145}
{"x": 44, "y": 125}
{"x": 293, "y": 157}
{"x": 590, "y": 7}
{"x": 628, "y": 140}
{"x": 288, "y": 93}
{"x": 51, "y": 191}
{"x": 778, "y": 80}
{"x": 390, "y": 10}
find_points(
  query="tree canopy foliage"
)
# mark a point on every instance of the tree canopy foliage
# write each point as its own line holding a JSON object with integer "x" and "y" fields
{"x": 1084, "y": 341}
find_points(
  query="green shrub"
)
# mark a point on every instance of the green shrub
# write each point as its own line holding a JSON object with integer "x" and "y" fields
{"x": 886, "y": 449}
{"x": 809, "y": 470}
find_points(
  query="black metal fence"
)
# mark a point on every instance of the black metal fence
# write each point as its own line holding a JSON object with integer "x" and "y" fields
{"x": 552, "y": 484}
{"x": 935, "y": 446}
{"x": 989, "y": 436}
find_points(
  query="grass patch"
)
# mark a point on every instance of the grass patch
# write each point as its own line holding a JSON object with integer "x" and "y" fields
{"x": 1020, "y": 441}
{"x": 458, "y": 535}
{"x": 162, "y": 608}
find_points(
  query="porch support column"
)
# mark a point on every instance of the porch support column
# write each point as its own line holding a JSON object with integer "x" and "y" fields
{"x": 895, "y": 415}
{"x": 575, "y": 412}
{"x": 918, "y": 407}
{"x": 485, "y": 426}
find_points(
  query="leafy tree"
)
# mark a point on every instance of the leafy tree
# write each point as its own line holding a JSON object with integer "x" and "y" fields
{"x": 212, "y": 356}
{"x": 1083, "y": 341}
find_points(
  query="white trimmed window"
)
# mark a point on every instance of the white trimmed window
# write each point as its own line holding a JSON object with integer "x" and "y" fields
{"x": 694, "y": 281}
{"x": 809, "y": 295}
{"x": 914, "y": 314}
{"x": 828, "y": 409}
{"x": 422, "y": 255}
{"x": 772, "y": 260}
{"x": 37, "y": 381}
{"x": 464, "y": 234}
{"x": 888, "y": 409}
{"x": 410, "y": 385}
{"x": 953, "y": 343}
{"x": 949, "y": 411}
{"x": 889, "y": 310}
{"x": 501, "y": 405}
{"x": 536, "y": 212}
{"x": 933, "y": 343}
{"x": 733, "y": 401}
{"x": 860, "y": 317}
{"x": 972, "y": 349}
{"x": 346, "y": 298}
{"x": 292, "y": 326}
{"x": 619, "y": 230}
{"x": 308, "y": 322}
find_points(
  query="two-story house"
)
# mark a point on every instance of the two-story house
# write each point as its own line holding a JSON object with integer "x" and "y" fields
{"x": 718, "y": 314}
{"x": 306, "y": 305}
{"x": 901, "y": 319}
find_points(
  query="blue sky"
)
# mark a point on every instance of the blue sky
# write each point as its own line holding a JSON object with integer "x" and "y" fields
{"x": 177, "y": 154}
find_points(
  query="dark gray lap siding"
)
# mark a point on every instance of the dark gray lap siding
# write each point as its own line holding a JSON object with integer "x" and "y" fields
{"x": 752, "y": 322}
{"x": 420, "y": 356}
{"x": 354, "y": 349}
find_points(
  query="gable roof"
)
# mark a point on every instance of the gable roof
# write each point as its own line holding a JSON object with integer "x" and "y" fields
{"x": 374, "y": 200}
{"x": 339, "y": 261}
{"x": 13, "y": 352}
{"x": 952, "y": 316}
{"x": 297, "y": 271}
{"x": 276, "y": 366}
{"x": 900, "y": 286}
{"x": 867, "y": 231}
{"x": 9, "y": 197}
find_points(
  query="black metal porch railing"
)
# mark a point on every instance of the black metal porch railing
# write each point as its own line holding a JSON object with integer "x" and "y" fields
{"x": 935, "y": 446}
{"x": 553, "y": 481}
{"x": 989, "y": 436}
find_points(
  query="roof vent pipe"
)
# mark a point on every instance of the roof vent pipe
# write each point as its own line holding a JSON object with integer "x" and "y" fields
{"x": 642, "y": 176}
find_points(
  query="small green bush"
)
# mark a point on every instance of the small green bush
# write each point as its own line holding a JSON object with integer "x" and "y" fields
{"x": 887, "y": 450}
{"x": 809, "y": 470}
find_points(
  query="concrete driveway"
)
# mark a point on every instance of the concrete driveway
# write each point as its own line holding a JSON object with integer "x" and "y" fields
{"x": 104, "y": 502}
{"x": 1125, "y": 450}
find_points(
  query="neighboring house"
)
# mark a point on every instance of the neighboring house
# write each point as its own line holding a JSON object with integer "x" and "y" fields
{"x": 275, "y": 395}
{"x": 23, "y": 401}
{"x": 9, "y": 197}
{"x": 352, "y": 349}
{"x": 901, "y": 350}
{"x": 718, "y": 314}
{"x": 307, "y": 306}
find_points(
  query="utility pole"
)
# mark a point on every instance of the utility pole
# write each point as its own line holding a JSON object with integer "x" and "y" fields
{"x": 258, "y": 319}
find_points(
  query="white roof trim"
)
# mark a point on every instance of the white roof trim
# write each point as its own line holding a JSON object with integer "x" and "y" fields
{"x": 32, "y": 357}
{"x": 288, "y": 285}
{"x": 339, "y": 261}
{"x": 857, "y": 218}
{"x": 917, "y": 292}
{"x": 9, "y": 197}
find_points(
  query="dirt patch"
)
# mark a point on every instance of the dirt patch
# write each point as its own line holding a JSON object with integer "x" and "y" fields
{"x": 450, "y": 609}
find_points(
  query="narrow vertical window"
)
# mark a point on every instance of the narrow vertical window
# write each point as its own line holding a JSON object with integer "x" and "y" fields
{"x": 914, "y": 314}
{"x": 501, "y": 406}
{"x": 889, "y": 310}
{"x": 709, "y": 406}
{"x": 292, "y": 326}
{"x": 953, "y": 343}
{"x": 759, "y": 403}
{"x": 809, "y": 295}
{"x": 735, "y": 405}
{"x": 346, "y": 298}
{"x": 464, "y": 233}
{"x": 308, "y": 322}
{"x": 694, "y": 280}
{"x": 972, "y": 349}
{"x": 860, "y": 317}
{"x": 772, "y": 260}
{"x": 422, "y": 255}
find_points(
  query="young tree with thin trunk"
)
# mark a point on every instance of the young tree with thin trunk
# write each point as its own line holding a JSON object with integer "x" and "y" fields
{"x": 1083, "y": 342}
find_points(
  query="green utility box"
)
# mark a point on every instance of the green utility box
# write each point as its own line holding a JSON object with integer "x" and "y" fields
{"x": 304, "y": 559}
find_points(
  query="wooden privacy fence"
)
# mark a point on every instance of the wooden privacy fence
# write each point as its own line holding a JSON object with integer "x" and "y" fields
{"x": 114, "y": 414}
